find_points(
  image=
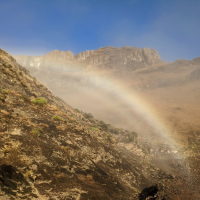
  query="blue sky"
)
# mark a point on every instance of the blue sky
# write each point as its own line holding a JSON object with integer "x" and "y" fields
{"x": 35, "y": 27}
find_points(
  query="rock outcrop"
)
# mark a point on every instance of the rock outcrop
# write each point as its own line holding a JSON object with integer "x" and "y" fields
{"x": 126, "y": 58}
{"x": 59, "y": 55}
{"x": 83, "y": 55}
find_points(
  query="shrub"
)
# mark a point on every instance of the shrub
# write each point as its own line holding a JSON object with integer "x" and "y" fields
{"x": 104, "y": 126}
{"x": 77, "y": 110}
{"x": 109, "y": 138}
{"x": 4, "y": 91}
{"x": 114, "y": 131}
{"x": 2, "y": 97}
{"x": 132, "y": 136}
{"x": 88, "y": 115}
{"x": 56, "y": 118}
{"x": 36, "y": 132}
{"x": 39, "y": 101}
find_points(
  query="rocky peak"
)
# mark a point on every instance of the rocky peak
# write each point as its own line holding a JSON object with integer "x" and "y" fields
{"x": 126, "y": 58}
{"x": 129, "y": 58}
{"x": 59, "y": 55}
{"x": 83, "y": 55}
{"x": 151, "y": 56}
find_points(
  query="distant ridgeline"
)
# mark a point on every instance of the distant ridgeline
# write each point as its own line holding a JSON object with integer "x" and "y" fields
{"x": 126, "y": 58}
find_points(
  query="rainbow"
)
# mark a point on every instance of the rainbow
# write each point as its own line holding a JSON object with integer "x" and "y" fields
{"x": 137, "y": 104}
{"x": 133, "y": 100}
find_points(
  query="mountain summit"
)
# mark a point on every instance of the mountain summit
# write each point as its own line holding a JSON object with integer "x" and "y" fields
{"x": 130, "y": 58}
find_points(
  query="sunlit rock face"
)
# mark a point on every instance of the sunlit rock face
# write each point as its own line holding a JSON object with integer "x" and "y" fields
{"x": 83, "y": 55}
{"x": 126, "y": 58}
{"x": 59, "y": 55}
{"x": 123, "y": 58}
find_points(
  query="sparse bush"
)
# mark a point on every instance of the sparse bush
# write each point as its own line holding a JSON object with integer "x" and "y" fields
{"x": 4, "y": 91}
{"x": 77, "y": 110}
{"x": 134, "y": 133}
{"x": 104, "y": 126}
{"x": 132, "y": 136}
{"x": 109, "y": 138}
{"x": 88, "y": 115}
{"x": 36, "y": 132}
{"x": 114, "y": 131}
{"x": 39, "y": 101}
{"x": 56, "y": 118}
{"x": 2, "y": 97}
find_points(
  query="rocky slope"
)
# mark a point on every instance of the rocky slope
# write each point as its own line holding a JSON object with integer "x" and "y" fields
{"x": 50, "y": 151}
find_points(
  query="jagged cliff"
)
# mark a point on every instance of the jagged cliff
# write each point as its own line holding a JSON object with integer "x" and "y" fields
{"x": 129, "y": 58}
{"x": 50, "y": 151}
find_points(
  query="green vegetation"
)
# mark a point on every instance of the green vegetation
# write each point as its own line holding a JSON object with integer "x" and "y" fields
{"x": 4, "y": 91}
{"x": 104, "y": 126}
{"x": 56, "y": 118}
{"x": 134, "y": 133}
{"x": 134, "y": 190}
{"x": 27, "y": 174}
{"x": 39, "y": 101}
{"x": 95, "y": 129}
{"x": 5, "y": 150}
{"x": 132, "y": 136}
{"x": 36, "y": 132}
{"x": 109, "y": 138}
{"x": 2, "y": 97}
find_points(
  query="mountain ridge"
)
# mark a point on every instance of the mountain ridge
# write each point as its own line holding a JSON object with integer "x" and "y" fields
{"x": 131, "y": 57}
